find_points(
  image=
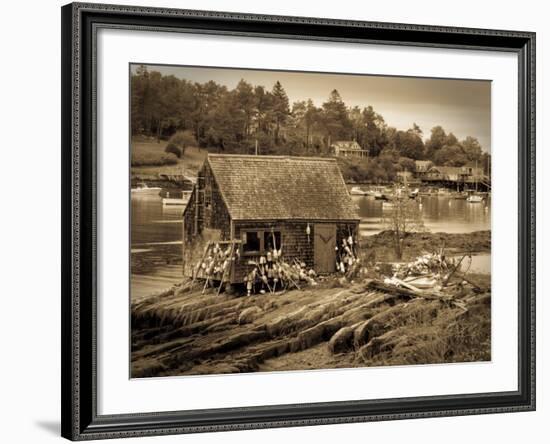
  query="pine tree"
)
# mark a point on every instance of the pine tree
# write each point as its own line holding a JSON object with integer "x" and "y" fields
{"x": 280, "y": 108}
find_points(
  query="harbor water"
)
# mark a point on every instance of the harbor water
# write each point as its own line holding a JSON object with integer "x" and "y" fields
{"x": 439, "y": 214}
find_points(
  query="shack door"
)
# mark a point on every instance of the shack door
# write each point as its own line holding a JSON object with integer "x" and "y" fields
{"x": 324, "y": 248}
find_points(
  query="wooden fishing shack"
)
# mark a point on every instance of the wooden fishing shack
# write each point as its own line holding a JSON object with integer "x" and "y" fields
{"x": 250, "y": 205}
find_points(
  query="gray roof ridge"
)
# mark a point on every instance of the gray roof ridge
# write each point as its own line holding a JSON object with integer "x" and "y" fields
{"x": 270, "y": 156}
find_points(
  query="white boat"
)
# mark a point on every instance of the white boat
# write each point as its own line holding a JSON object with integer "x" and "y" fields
{"x": 177, "y": 201}
{"x": 384, "y": 194}
{"x": 142, "y": 188}
{"x": 356, "y": 191}
{"x": 173, "y": 201}
{"x": 474, "y": 198}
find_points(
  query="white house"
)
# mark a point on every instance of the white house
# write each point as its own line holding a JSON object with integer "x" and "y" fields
{"x": 348, "y": 148}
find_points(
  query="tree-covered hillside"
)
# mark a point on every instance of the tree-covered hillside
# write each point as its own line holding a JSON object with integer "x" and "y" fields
{"x": 260, "y": 116}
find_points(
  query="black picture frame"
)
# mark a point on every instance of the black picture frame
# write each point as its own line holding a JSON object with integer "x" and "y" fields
{"x": 79, "y": 396}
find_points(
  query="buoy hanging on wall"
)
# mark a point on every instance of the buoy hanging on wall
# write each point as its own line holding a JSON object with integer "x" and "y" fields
{"x": 308, "y": 232}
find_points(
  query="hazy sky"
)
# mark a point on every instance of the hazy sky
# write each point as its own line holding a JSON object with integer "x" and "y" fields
{"x": 459, "y": 106}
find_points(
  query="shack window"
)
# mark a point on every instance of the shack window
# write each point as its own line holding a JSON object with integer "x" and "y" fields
{"x": 269, "y": 238}
{"x": 251, "y": 242}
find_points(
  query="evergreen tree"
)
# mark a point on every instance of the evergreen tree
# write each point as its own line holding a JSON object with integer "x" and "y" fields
{"x": 280, "y": 108}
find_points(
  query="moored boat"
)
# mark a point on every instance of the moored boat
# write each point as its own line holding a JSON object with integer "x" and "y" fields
{"x": 177, "y": 201}
{"x": 142, "y": 188}
{"x": 474, "y": 198}
{"x": 356, "y": 191}
{"x": 460, "y": 195}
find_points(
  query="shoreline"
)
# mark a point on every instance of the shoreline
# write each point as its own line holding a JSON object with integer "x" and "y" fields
{"x": 338, "y": 323}
{"x": 144, "y": 263}
{"x": 415, "y": 244}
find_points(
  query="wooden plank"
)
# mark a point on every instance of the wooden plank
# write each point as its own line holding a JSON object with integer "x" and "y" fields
{"x": 201, "y": 261}
{"x": 377, "y": 285}
{"x": 183, "y": 246}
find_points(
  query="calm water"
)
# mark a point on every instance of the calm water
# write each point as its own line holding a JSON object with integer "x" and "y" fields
{"x": 154, "y": 224}
{"x": 480, "y": 263}
{"x": 156, "y": 233}
{"x": 439, "y": 214}
{"x": 155, "y": 245}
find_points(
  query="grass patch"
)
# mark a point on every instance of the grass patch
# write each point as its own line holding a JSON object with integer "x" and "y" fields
{"x": 433, "y": 334}
{"x": 153, "y": 159}
{"x": 150, "y": 158}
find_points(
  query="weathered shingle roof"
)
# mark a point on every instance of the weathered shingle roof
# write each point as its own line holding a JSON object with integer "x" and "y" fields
{"x": 282, "y": 188}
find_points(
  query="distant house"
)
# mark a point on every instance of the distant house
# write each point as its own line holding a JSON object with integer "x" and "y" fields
{"x": 348, "y": 148}
{"x": 252, "y": 202}
{"x": 445, "y": 174}
{"x": 422, "y": 166}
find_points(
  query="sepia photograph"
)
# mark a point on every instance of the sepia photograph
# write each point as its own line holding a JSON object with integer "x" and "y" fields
{"x": 293, "y": 221}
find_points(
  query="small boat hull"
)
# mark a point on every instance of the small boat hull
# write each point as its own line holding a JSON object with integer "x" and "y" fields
{"x": 356, "y": 191}
{"x": 177, "y": 201}
{"x": 169, "y": 201}
{"x": 143, "y": 189}
{"x": 414, "y": 194}
{"x": 474, "y": 199}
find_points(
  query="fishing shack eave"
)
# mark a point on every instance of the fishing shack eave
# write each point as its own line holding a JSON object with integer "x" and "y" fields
{"x": 297, "y": 219}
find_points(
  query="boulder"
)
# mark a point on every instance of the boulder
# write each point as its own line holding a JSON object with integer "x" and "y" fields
{"x": 341, "y": 341}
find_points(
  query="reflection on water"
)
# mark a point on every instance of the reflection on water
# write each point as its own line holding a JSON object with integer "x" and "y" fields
{"x": 153, "y": 223}
{"x": 480, "y": 263}
{"x": 443, "y": 214}
{"x": 157, "y": 279}
{"x": 155, "y": 245}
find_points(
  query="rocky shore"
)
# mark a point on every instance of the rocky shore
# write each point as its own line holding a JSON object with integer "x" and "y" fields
{"x": 335, "y": 324}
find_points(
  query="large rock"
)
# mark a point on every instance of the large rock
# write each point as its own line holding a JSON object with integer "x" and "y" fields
{"x": 249, "y": 314}
{"x": 361, "y": 334}
{"x": 341, "y": 341}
